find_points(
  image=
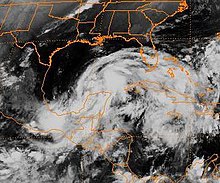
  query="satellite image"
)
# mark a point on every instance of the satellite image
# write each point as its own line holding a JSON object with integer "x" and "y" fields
{"x": 109, "y": 91}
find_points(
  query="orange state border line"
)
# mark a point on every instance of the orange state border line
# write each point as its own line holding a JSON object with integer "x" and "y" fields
{"x": 99, "y": 41}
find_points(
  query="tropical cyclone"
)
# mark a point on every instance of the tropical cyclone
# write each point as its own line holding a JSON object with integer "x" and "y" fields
{"x": 125, "y": 19}
{"x": 113, "y": 109}
{"x": 112, "y": 19}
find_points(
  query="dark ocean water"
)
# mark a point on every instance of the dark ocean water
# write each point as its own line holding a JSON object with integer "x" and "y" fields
{"x": 201, "y": 22}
